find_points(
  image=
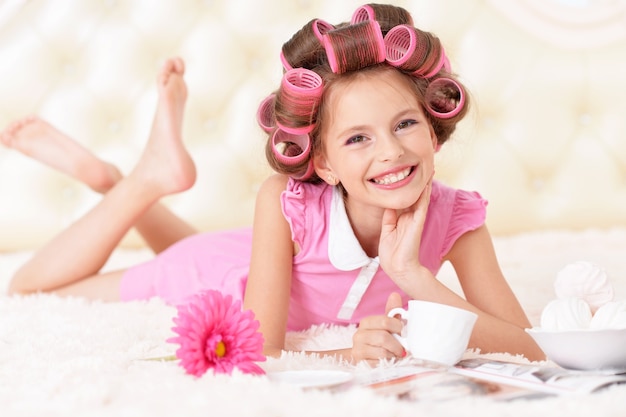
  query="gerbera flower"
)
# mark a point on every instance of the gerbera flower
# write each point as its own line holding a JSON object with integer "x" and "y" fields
{"x": 214, "y": 333}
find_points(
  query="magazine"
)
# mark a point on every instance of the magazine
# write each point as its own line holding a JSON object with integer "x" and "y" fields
{"x": 498, "y": 380}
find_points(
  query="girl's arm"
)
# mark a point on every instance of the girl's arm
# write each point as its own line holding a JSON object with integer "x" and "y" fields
{"x": 501, "y": 322}
{"x": 269, "y": 281}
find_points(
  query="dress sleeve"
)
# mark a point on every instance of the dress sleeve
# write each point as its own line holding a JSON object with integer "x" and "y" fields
{"x": 468, "y": 213}
{"x": 294, "y": 209}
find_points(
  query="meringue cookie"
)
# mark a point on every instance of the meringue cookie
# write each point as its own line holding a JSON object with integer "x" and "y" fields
{"x": 586, "y": 281}
{"x": 566, "y": 314}
{"x": 611, "y": 315}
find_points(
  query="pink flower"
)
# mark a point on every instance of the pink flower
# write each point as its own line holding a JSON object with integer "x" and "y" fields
{"x": 214, "y": 333}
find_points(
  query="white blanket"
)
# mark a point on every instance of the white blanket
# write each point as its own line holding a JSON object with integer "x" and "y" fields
{"x": 68, "y": 356}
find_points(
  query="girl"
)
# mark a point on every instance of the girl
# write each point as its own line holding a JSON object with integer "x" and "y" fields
{"x": 351, "y": 225}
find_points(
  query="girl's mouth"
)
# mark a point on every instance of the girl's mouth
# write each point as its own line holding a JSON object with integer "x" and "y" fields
{"x": 393, "y": 177}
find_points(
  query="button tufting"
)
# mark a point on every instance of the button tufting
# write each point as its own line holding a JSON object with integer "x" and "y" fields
{"x": 538, "y": 184}
{"x": 68, "y": 193}
{"x": 585, "y": 119}
{"x": 546, "y": 120}
{"x": 114, "y": 126}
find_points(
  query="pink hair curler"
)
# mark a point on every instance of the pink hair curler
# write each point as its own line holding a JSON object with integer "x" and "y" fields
{"x": 445, "y": 98}
{"x": 365, "y": 38}
{"x": 286, "y": 65}
{"x": 290, "y": 149}
{"x": 304, "y": 45}
{"x": 310, "y": 169}
{"x": 411, "y": 49}
{"x": 446, "y": 63}
{"x": 320, "y": 27}
{"x": 362, "y": 14}
{"x": 265, "y": 114}
{"x": 300, "y": 130}
{"x": 440, "y": 64}
{"x": 400, "y": 45}
{"x": 300, "y": 94}
{"x": 303, "y": 82}
{"x": 386, "y": 14}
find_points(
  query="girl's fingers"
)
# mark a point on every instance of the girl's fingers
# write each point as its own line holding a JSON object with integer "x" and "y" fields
{"x": 388, "y": 324}
{"x": 393, "y": 301}
{"x": 390, "y": 221}
{"x": 375, "y": 345}
{"x": 373, "y": 339}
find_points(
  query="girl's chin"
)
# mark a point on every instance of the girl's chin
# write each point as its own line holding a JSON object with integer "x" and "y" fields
{"x": 403, "y": 203}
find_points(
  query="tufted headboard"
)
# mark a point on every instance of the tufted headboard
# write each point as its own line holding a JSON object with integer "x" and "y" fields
{"x": 545, "y": 141}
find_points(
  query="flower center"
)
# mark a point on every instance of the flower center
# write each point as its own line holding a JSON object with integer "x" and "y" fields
{"x": 220, "y": 349}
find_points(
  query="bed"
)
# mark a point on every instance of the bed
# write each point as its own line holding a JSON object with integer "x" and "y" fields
{"x": 543, "y": 143}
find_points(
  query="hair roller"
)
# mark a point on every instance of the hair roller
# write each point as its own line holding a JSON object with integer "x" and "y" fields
{"x": 310, "y": 169}
{"x": 440, "y": 64}
{"x": 304, "y": 45}
{"x": 290, "y": 149}
{"x": 299, "y": 96}
{"x": 405, "y": 48}
{"x": 283, "y": 59}
{"x": 354, "y": 46}
{"x": 265, "y": 114}
{"x": 415, "y": 51}
{"x": 363, "y": 13}
{"x": 320, "y": 27}
{"x": 387, "y": 16}
{"x": 446, "y": 63}
{"x": 444, "y": 98}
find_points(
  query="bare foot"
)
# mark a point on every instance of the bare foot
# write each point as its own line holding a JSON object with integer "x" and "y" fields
{"x": 40, "y": 140}
{"x": 165, "y": 163}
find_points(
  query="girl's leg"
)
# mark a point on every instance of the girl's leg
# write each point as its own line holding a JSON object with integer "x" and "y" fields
{"x": 104, "y": 287}
{"x": 38, "y": 139}
{"x": 164, "y": 168}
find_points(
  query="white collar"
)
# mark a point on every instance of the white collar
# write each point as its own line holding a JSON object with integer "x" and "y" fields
{"x": 344, "y": 250}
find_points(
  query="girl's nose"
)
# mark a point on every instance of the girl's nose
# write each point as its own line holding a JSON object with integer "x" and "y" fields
{"x": 388, "y": 148}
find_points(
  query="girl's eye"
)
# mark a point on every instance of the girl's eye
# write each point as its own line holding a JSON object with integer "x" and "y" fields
{"x": 405, "y": 123}
{"x": 355, "y": 139}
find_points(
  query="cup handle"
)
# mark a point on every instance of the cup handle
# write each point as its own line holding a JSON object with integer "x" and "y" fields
{"x": 399, "y": 311}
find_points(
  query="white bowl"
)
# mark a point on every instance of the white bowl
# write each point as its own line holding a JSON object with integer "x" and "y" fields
{"x": 602, "y": 350}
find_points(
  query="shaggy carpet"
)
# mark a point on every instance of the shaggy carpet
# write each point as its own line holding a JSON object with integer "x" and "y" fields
{"x": 72, "y": 357}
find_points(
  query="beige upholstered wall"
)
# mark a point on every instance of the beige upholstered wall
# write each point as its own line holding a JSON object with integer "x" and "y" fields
{"x": 546, "y": 141}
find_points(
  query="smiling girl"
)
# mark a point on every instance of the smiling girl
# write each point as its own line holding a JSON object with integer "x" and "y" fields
{"x": 351, "y": 225}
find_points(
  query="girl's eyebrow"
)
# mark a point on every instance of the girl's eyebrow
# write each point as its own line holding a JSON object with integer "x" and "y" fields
{"x": 351, "y": 130}
{"x": 360, "y": 128}
{"x": 406, "y": 112}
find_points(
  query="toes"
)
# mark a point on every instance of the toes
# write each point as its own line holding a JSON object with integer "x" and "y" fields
{"x": 171, "y": 66}
{"x": 179, "y": 64}
{"x": 166, "y": 70}
{"x": 10, "y": 133}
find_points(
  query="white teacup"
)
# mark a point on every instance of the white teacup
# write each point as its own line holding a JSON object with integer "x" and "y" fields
{"x": 435, "y": 332}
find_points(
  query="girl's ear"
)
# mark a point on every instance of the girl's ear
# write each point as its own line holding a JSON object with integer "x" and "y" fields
{"x": 324, "y": 171}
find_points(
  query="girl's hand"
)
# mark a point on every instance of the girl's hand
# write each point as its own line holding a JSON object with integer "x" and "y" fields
{"x": 400, "y": 240}
{"x": 373, "y": 339}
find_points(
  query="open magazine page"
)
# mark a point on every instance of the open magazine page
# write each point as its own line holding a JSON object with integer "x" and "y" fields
{"x": 539, "y": 378}
{"x": 497, "y": 380}
{"x": 429, "y": 384}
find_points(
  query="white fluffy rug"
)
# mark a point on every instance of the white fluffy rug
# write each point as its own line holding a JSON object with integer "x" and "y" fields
{"x": 70, "y": 357}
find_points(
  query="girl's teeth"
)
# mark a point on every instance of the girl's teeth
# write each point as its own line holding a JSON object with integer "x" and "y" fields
{"x": 392, "y": 178}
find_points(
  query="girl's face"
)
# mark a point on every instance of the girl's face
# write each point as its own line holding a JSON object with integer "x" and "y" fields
{"x": 377, "y": 141}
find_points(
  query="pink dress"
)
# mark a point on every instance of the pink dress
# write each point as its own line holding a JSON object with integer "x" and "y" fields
{"x": 333, "y": 280}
